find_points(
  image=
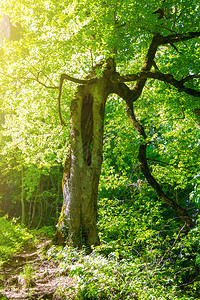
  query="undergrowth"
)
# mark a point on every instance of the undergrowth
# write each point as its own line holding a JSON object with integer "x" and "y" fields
{"x": 13, "y": 237}
{"x": 101, "y": 276}
{"x": 144, "y": 255}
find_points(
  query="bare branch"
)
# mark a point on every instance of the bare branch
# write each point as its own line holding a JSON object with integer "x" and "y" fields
{"x": 42, "y": 83}
{"x": 47, "y": 86}
{"x": 75, "y": 80}
{"x": 37, "y": 75}
{"x": 25, "y": 76}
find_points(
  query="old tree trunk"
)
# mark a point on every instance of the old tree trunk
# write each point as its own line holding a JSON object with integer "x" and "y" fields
{"x": 77, "y": 223}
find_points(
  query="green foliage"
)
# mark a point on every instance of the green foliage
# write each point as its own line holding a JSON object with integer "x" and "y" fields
{"x": 142, "y": 254}
{"x": 195, "y": 194}
{"x": 147, "y": 230}
{"x": 131, "y": 277}
{"x": 45, "y": 231}
{"x": 13, "y": 237}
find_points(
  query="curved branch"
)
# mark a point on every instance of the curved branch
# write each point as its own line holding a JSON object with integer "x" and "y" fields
{"x": 150, "y": 178}
{"x": 148, "y": 63}
{"x": 143, "y": 161}
{"x": 35, "y": 78}
{"x": 179, "y": 84}
{"x": 40, "y": 82}
{"x": 75, "y": 80}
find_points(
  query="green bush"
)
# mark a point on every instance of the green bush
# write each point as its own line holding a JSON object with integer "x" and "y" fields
{"x": 45, "y": 231}
{"x": 12, "y": 238}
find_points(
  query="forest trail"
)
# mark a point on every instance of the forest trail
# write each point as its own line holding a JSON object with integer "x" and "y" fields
{"x": 29, "y": 275}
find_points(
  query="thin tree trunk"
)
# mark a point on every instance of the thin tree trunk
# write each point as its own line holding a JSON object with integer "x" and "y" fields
{"x": 35, "y": 204}
{"x": 22, "y": 198}
{"x": 41, "y": 215}
{"x": 29, "y": 214}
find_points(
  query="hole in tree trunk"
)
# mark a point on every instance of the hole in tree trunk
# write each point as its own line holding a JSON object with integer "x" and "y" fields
{"x": 87, "y": 127}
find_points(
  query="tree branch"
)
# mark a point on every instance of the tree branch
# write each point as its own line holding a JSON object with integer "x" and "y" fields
{"x": 150, "y": 178}
{"x": 179, "y": 37}
{"x": 75, "y": 80}
{"x": 162, "y": 162}
{"x": 115, "y": 12}
{"x": 43, "y": 84}
{"x": 148, "y": 63}
{"x": 143, "y": 75}
{"x": 35, "y": 78}
{"x": 189, "y": 77}
{"x": 143, "y": 160}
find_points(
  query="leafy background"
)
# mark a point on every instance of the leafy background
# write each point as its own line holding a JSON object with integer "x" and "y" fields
{"x": 145, "y": 252}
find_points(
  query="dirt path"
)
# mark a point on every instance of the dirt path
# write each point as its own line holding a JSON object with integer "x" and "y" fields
{"x": 31, "y": 276}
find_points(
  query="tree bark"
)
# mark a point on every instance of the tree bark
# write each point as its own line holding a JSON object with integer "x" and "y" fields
{"x": 77, "y": 223}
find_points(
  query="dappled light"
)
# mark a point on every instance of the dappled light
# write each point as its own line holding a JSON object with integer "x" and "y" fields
{"x": 99, "y": 149}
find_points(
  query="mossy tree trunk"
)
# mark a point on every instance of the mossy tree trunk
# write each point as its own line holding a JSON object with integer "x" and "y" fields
{"x": 77, "y": 223}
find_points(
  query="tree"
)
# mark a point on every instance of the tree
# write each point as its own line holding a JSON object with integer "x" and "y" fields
{"x": 131, "y": 39}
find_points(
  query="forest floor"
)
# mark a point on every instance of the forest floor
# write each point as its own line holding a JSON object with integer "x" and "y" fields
{"x": 29, "y": 275}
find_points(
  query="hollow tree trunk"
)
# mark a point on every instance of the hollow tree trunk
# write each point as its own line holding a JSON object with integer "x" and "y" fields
{"x": 83, "y": 165}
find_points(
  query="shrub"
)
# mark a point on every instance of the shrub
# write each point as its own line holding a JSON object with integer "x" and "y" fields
{"x": 12, "y": 238}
